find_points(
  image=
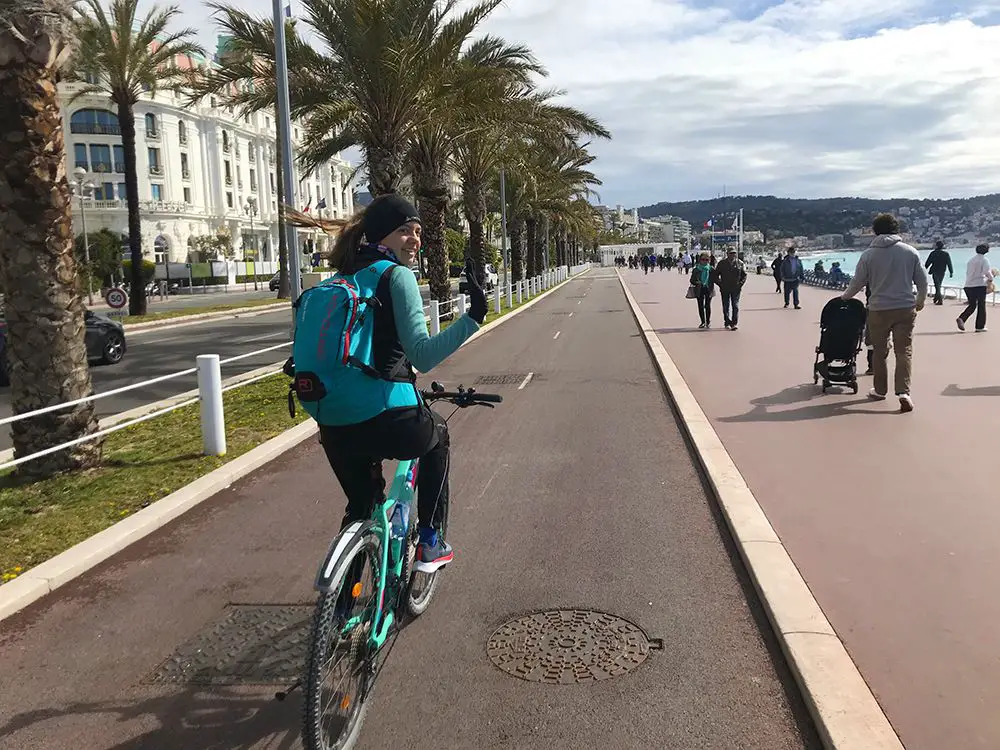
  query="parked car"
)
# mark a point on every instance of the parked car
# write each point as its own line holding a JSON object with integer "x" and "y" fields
{"x": 273, "y": 283}
{"x": 491, "y": 280}
{"x": 104, "y": 339}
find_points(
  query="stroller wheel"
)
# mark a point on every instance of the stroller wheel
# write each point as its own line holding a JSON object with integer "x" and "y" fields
{"x": 854, "y": 388}
{"x": 824, "y": 387}
{"x": 815, "y": 379}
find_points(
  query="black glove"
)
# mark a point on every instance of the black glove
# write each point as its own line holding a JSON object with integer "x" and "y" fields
{"x": 477, "y": 297}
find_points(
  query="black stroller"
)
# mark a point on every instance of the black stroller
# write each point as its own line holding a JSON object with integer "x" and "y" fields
{"x": 842, "y": 330}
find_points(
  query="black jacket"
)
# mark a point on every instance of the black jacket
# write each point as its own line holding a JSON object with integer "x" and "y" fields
{"x": 938, "y": 261}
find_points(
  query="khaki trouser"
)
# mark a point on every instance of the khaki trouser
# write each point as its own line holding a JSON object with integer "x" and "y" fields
{"x": 898, "y": 323}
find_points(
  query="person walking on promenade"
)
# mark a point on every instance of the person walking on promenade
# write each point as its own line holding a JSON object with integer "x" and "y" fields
{"x": 978, "y": 279}
{"x": 891, "y": 269}
{"x": 703, "y": 279}
{"x": 776, "y": 270}
{"x": 687, "y": 261}
{"x": 937, "y": 263}
{"x": 792, "y": 273}
{"x": 731, "y": 275}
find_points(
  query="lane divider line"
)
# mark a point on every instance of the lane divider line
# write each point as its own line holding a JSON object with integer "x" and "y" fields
{"x": 571, "y": 315}
{"x": 846, "y": 713}
{"x": 556, "y": 336}
{"x": 527, "y": 379}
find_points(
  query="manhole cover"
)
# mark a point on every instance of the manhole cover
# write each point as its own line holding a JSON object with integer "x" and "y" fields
{"x": 568, "y": 646}
{"x": 508, "y": 379}
{"x": 252, "y": 644}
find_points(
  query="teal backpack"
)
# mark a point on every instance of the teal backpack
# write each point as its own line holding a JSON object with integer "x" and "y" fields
{"x": 333, "y": 363}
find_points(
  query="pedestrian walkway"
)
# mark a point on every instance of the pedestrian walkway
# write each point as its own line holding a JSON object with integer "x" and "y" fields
{"x": 891, "y": 518}
{"x": 577, "y": 493}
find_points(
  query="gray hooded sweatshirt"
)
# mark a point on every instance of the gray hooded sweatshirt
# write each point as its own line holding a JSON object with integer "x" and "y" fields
{"x": 890, "y": 268}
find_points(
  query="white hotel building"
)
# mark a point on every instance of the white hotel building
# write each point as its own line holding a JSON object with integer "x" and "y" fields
{"x": 202, "y": 170}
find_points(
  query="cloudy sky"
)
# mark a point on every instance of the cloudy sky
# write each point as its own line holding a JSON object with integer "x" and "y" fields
{"x": 806, "y": 98}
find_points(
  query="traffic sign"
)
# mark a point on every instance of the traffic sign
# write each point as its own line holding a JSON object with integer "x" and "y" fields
{"x": 116, "y": 298}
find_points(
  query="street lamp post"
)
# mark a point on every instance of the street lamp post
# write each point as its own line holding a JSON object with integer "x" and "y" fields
{"x": 251, "y": 210}
{"x": 81, "y": 186}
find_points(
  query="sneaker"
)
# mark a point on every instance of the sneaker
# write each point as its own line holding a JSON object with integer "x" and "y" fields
{"x": 797, "y": 307}
{"x": 982, "y": 330}
{"x": 875, "y": 395}
{"x": 733, "y": 327}
{"x": 433, "y": 556}
{"x": 786, "y": 306}
{"x": 961, "y": 324}
{"x": 728, "y": 326}
{"x": 702, "y": 325}
{"x": 905, "y": 403}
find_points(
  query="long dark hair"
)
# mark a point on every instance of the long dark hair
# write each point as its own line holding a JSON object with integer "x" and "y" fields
{"x": 344, "y": 255}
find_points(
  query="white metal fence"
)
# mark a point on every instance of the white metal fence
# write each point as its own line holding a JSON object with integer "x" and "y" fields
{"x": 208, "y": 369}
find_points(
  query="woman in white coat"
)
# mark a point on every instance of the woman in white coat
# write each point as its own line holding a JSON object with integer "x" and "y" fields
{"x": 978, "y": 277}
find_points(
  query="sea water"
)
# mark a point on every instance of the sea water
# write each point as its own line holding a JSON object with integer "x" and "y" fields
{"x": 848, "y": 259}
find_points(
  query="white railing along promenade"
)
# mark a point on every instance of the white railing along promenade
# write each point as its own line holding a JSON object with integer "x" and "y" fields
{"x": 211, "y": 387}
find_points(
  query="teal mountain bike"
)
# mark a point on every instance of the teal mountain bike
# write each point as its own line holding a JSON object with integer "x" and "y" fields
{"x": 367, "y": 585}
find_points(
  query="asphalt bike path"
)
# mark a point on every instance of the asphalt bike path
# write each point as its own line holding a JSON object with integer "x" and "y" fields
{"x": 577, "y": 493}
{"x": 890, "y": 518}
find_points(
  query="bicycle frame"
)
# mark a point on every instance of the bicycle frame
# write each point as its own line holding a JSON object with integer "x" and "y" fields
{"x": 402, "y": 490}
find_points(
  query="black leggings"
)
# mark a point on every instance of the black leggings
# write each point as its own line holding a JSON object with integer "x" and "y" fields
{"x": 977, "y": 305}
{"x": 356, "y": 452}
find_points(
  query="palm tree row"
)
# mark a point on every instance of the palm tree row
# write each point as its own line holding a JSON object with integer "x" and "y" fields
{"x": 405, "y": 81}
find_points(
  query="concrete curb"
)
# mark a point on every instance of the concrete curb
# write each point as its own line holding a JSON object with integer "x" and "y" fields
{"x": 847, "y": 715}
{"x": 186, "y": 320}
{"x": 64, "y": 567}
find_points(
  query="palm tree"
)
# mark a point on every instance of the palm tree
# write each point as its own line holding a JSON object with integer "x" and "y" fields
{"x": 44, "y": 310}
{"x": 507, "y": 115}
{"x": 127, "y": 59}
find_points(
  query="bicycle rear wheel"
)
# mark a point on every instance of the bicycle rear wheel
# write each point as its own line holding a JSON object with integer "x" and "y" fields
{"x": 341, "y": 666}
{"x": 423, "y": 585}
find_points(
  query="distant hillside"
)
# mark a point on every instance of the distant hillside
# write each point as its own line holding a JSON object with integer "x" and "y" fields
{"x": 790, "y": 217}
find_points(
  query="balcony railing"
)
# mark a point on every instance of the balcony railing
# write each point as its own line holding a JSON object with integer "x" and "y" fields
{"x": 152, "y": 135}
{"x": 101, "y": 167}
{"x": 186, "y": 174}
{"x": 239, "y": 184}
{"x": 270, "y": 158}
{"x": 182, "y": 138}
{"x": 251, "y": 156}
{"x": 94, "y": 129}
{"x": 155, "y": 169}
{"x": 226, "y": 148}
{"x": 253, "y": 187}
{"x": 229, "y": 180}
{"x": 82, "y": 164}
{"x": 237, "y": 152}
{"x": 120, "y": 167}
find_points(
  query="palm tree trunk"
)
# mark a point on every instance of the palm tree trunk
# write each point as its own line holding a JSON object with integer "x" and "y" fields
{"x": 283, "y": 289}
{"x": 385, "y": 169}
{"x": 474, "y": 204}
{"x": 432, "y": 200}
{"x": 44, "y": 309}
{"x": 137, "y": 292}
{"x": 516, "y": 249}
{"x": 561, "y": 247}
{"x": 531, "y": 230}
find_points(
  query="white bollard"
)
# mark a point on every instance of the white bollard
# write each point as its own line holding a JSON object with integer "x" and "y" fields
{"x": 496, "y": 299}
{"x": 213, "y": 419}
{"x": 461, "y": 305}
{"x": 510, "y": 295}
{"x": 435, "y": 317}
{"x": 519, "y": 293}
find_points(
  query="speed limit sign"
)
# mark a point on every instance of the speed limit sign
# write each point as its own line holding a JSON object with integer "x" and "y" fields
{"x": 116, "y": 298}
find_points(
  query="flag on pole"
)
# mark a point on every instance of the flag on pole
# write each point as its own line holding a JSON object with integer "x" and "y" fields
{"x": 709, "y": 223}
{"x": 306, "y": 209}
{"x": 321, "y": 204}
{"x": 288, "y": 11}
{"x": 736, "y": 223}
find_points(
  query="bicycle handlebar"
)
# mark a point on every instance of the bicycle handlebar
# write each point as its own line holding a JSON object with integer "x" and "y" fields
{"x": 462, "y": 397}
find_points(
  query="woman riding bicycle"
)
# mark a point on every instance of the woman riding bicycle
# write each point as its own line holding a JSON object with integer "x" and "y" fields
{"x": 389, "y": 228}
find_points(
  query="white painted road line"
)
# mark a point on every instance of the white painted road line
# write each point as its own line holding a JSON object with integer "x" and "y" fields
{"x": 571, "y": 315}
{"x": 527, "y": 379}
{"x": 580, "y": 302}
{"x": 556, "y": 336}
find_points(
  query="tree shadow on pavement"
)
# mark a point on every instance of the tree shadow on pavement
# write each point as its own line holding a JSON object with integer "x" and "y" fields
{"x": 692, "y": 329}
{"x": 825, "y": 405}
{"x": 196, "y": 718}
{"x": 938, "y": 333}
{"x": 956, "y": 390}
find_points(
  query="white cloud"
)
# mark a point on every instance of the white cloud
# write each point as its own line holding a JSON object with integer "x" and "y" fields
{"x": 802, "y": 97}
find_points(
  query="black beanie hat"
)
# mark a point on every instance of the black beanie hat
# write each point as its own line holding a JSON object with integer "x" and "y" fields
{"x": 385, "y": 215}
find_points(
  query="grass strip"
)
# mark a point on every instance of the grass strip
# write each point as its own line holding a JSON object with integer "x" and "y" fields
{"x": 142, "y": 464}
{"x": 167, "y": 314}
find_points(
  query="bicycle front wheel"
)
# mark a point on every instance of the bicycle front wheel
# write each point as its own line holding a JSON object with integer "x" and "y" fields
{"x": 341, "y": 666}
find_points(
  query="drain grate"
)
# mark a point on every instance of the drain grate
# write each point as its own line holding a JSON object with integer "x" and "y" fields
{"x": 503, "y": 379}
{"x": 565, "y": 647}
{"x": 252, "y": 644}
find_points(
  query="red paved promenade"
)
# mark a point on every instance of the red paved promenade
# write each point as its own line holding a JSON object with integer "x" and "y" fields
{"x": 893, "y": 520}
